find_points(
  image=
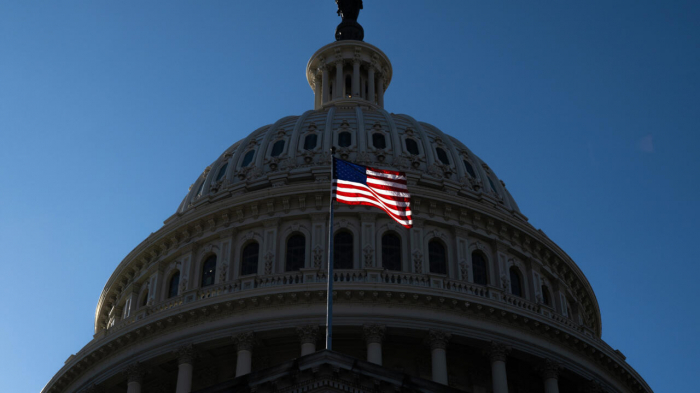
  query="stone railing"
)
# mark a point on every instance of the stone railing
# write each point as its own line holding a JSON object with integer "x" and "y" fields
{"x": 373, "y": 276}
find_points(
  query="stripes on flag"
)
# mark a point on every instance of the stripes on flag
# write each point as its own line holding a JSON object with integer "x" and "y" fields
{"x": 360, "y": 185}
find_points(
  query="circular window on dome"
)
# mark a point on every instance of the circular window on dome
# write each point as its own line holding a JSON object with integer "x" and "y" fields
{"x": 469, "y": 168}
{"x": 248, "y": 158}
{"x": 277, "y": 149}
{"x": 378, "y": 141}
{"x": 442, "y": 156}
{"x": 222, "y": 172}
{"x": 310, "y": 141}
{"x": 344, "y": 139}
{"x": 412, "y": 146}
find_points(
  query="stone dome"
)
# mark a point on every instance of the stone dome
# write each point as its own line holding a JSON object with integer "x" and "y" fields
{"x": 230, "y": 294}
{"x": 295, "y": 150}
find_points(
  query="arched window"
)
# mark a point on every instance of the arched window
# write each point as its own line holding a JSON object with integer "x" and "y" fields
{"x": 310, "y": 141}
{"x": 546, "y": 299}
{"x": 222, "y": 172}
{"x": 437, "y": 257}
{"x": 342, "y": 250}
{"x": 391, "y": 251}
{"x": 378, "y": 140}
{"x": 144, "y": 299}
{"x": 344, "y": 139}
{"x": 493, "y": 186}
{"x": 516, "y": 286}
{"x": 470, "y": 169}
{"x": 277, "y": 149}
{"x": 174, "y": 284}
{"x": 412, "y": 146}
{"x": 479, "y": 269}
{"x": 249, "y": 259}
{"x": 569, "y": 309}
{"x": 348, "y": 86}
{"x": 296, "y": 252}
{"x": 442, "y": 156}
{"x": 248, "y": 158}
{"x": 208, "y": 271}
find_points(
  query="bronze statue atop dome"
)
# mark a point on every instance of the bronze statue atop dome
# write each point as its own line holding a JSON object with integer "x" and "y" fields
{"x": 349, "y": 29}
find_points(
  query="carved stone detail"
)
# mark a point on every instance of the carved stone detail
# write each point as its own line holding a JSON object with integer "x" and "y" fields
{"x": 308, "y": 334}
{"x": 374, "y": 333}
{"x": 318, "y": 257}
{"x": 269, "y": 258}
{"x": 418, "y": 261}
{"x": 369, "y": 256}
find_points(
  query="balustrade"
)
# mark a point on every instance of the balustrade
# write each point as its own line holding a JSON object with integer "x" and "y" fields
{"x": 374, "y": 277}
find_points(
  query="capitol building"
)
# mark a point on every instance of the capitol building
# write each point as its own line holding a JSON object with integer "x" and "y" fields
{"x": 230, "y": 294}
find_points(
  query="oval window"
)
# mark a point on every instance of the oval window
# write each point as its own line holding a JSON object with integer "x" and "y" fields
{"x": 310, "y": 141}
{"x": 470, "y": 169}
{"x": 344, "y": 139}
{"x": 378, "y": 140}
{"x": 277, "y": 148}
{"x": 412, "y": 146}
{"x": 442, "y": 156}
{"x": 222, "y": 172}
{"x": 248, "y": 158}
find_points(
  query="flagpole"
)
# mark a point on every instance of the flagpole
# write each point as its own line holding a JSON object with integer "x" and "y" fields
{"x": 329, "y": 291}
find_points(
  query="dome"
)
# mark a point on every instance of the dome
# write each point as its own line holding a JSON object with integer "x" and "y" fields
{"x": 230, "y": 294}
{"x": 295, "y": 150}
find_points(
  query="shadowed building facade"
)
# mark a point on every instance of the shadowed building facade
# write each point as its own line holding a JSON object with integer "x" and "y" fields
{"x": 230, "y": 294}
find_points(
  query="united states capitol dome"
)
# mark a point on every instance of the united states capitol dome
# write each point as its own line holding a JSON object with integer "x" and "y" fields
{"x": 230, "y": 294}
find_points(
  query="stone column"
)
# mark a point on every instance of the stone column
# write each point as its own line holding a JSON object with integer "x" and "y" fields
{"x": 356, "y": 78}
{"x": 370, "y": 84}
{"x": 134, "y": 377}
{"x": 325, "y": 86}
{"x": 244, "y": 345}
{"x": 307, "y": 335}
{"x": 317, "y": 91}
{"x": 338, "y": 79}
{"x": 498, "y": 354}
{"x": 185, "y": 359}
{"x": 438, "y": 343}
{"x": 550, "y": 374}
{"x": 380, "y": 91}
{"x": 374, "y": 336}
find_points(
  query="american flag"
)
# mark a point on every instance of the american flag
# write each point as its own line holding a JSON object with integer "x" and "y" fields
{"x": 361, "y": 185}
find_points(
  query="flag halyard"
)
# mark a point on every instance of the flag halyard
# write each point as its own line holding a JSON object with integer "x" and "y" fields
{"x": 355, "y": 184}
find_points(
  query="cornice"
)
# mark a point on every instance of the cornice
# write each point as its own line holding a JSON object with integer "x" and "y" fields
{"x": 124, "y": 337}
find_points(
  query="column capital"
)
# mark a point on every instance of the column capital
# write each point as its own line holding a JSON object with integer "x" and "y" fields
{"x": 498, "y": 352}
{"x": 374, "y": 333}
{"x": 134, "y": 372}
{"x": 185, "y": 354}
{"x": 438, "y": 339}
{"x": 307, "y": 334}
{"x": 549, "y": 369}
{"x": 244, "y": 341}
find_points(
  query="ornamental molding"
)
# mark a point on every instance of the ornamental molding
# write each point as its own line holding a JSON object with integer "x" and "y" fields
{"x": 124, "y": 336}
{"x": 185, "y": 354}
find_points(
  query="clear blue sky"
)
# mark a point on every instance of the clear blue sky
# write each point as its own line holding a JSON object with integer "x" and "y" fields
{"x": 589, "y": 111}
